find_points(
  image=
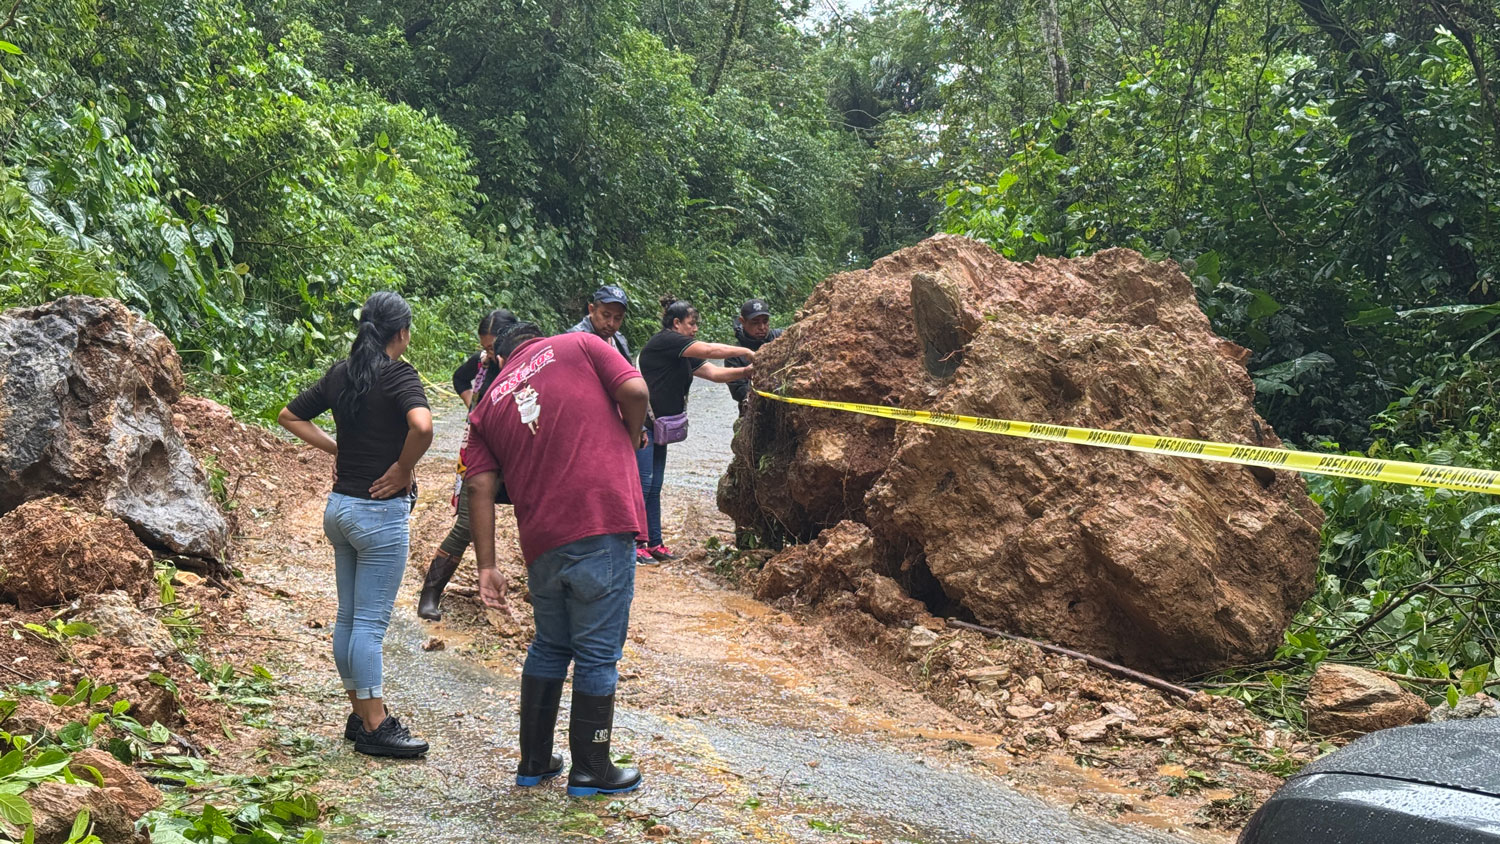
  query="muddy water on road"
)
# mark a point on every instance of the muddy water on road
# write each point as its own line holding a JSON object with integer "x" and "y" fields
{"x": 748, "y": 726}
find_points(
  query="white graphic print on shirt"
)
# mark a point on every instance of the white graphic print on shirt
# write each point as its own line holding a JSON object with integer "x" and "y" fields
{"x": 526, "y": 403}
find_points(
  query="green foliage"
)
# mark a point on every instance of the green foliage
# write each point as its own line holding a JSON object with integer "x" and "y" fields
{"x": 1307, "y": 187}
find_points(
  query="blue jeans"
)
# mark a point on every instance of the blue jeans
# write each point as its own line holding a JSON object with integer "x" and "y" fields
{"x": 370, "y": 541}
{"x": 651, "y": 461}
{"x": 580, "y": 598}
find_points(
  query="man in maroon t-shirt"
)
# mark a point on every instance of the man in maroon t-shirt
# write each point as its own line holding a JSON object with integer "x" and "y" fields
{"x": 560, "y": 424}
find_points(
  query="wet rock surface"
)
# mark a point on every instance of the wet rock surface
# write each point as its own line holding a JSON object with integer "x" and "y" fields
{"x": 1171, "y": 565}
{"x": 55, "y": 550}
{"x": 86, "y": 389}
{"x": 1344, "y": 700}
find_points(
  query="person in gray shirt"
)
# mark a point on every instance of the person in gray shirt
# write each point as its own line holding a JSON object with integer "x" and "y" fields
{"x": 606, "y": 315}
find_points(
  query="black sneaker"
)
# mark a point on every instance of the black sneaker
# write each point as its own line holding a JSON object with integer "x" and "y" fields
{"x": 391, "y": 738}
{"x": 352, "y": 727}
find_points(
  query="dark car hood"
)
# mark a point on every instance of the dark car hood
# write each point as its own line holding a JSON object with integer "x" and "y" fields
{"x": 1452, "y": 754}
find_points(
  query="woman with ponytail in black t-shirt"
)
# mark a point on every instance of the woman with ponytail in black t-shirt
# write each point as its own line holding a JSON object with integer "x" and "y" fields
{"x": 382, "y": 428}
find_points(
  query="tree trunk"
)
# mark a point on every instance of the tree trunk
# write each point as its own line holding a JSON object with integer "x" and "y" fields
{"x": 1464, "y": 32}
{"x": 732, "y": 32}
{"x": 1057, "y": 56}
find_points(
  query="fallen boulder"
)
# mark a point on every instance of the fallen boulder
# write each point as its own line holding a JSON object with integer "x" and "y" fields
{"x": 1343, "y": 700}
{"x": 1171, "y": 565}
{"x": 56, "y": 550}
{"x": 86, "y": 393}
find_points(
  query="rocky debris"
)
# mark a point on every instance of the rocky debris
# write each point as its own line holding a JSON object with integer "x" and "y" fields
{"x": 433, "y": 643}
{"x": 1095, "y": 730}
{"x": 115, "y": 616}
{"x": 841, "y": 560}
{"x": 34, "y": 716}
{"x": 884, "y": 598}
{"x": 1478, "y": 705}
{"x": 55, "y": 550}
{"x": 987, "y": 678}
{"x": 55, "y": 805}
{"x": 121, "y": 782}
{"x": 1170, "y": 565}
{"x": 86, "y": 394}
{"x": 1343, "y": 700}
{"x": 920, "y": 642}
{"x": 989, "y": 682}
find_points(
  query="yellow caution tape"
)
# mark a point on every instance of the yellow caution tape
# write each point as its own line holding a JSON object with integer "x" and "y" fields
{"x": 1361, "y": 468}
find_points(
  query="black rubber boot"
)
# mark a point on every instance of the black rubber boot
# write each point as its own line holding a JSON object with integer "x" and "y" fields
{"x": 391, "y": 738}
{"x": 588, "y": 738}
{"x": 438, "y": 574}
{"x": 539, "y": 702}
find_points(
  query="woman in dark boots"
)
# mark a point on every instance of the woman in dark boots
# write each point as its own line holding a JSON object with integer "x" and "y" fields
{"x": 470, "y": 381}
{"x": 382, "y": 428}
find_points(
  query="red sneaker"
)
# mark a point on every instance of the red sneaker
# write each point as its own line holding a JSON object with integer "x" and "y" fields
{"x": 662, "y": 553}
{"x": 643, "y": 556}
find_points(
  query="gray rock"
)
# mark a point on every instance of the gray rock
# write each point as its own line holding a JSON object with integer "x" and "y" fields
{"x": 919, "y": 641}
{"x": 115, "y": 616}
{"x": 86, "y": 389}
{"x": 1473, "y": 706}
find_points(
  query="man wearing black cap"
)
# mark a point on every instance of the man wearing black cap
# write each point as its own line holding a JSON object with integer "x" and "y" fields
{"x": 606, "y": 315}
{"x": 753, "y": 329}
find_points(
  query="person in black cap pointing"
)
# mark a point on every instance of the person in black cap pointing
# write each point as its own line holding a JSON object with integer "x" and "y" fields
{"x": 753, "y": 330}
{"x": 606, "y": 315}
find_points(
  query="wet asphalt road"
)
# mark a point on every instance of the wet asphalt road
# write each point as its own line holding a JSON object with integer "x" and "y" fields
{"x": 708, "y": 778}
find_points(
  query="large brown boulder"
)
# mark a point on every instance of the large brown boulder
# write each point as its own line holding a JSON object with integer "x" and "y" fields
{"x": 1173, "y": 565}
{"x": 1344, "y": 700}
{"x": 86, "y": 389}
{"x": 54, "y": 551}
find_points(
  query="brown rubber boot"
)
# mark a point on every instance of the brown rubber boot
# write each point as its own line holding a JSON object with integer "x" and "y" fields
{"x": 438, "y": 574}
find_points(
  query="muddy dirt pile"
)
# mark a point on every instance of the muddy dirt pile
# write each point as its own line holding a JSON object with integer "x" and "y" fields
{"x": 55, "y": 552}
{"x": 86, "y": 389}
{"x": 1171, "y": 565}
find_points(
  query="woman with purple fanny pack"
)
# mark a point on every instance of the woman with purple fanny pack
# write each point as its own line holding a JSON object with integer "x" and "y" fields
{"x": 668, "y": 361}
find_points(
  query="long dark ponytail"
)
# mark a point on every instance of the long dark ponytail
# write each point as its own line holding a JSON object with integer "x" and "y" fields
{"x": 380, "y": 320}
{"x": 674, "y": 309}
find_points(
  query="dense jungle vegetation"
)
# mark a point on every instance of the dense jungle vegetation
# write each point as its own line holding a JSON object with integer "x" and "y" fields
{"x": 1327, "y": 171}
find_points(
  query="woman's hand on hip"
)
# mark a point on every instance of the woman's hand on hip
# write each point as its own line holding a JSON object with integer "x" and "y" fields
{"x": 394, "y": 482}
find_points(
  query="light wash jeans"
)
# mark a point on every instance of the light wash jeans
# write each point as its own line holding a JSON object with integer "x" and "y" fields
{"x": 370, "y": 542}
{"x": 580, "y": 598}
{"x": 651, "y": 463}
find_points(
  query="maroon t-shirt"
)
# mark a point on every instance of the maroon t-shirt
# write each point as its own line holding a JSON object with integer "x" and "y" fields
{"x": 550, "y": 425}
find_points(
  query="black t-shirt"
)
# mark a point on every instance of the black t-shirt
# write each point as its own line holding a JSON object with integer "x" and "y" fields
{"x": 667, "y": 372}
{"x": 463, "y": 377}
{"x": 371, "y": 442}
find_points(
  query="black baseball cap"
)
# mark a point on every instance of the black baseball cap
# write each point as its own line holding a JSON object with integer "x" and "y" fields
{"x": 611, "y": 293}
{"x": 754, "y": 308}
